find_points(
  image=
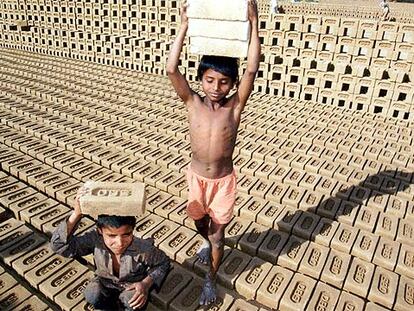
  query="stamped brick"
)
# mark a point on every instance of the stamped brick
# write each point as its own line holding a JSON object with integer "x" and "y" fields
{"x": 32, "y": 259}
{"x": 287, "y": 219}
{"x": 324, "y": 298}
{"x": 336, "y": 268}
{"x": 45, "y": 268}
{"x": 179, "y": 215}
{"x": 347, "y": 212}
{"x": 349, "y": 302}
{"x": 6, "y": 282}
{"x": 374, "y": 307}
{"x": 314, "y": 260}
{"x": 235, "y": 230}
{"x": 247, "y": 284}
{"x": 344, "y": 238}
{"x": 252, "y": 238}
{"x": 359, "y": 277}
{"x": 268, "y": 215}
{"x": 387, "y": 226}
{"x": 272, "y": 246}
{"x": 162, "y": 231}
{"x": 252, "y": 208}
{"x": 10, "y": 299}
{"x": 176, "y": 241}
{"x": 17, "y": 196}
{"x": 169, "y": 206}
{"x": 10, "y": 238}
{"x": 329, "y": 207}
{"x": 292, "y": 253}
{"x": 125, "y": 199}
{"x": 71, "y": 295}
{"x": 298, "y": 293}
{"x": 325, "y": 231}
{"x": 37, "y": 208}
{"x": 176, "y": 281}
{"x": 405, "y": 294}
{"x": 157, "y": 200}
{"x": 366, "y": 219}
{"x": 188, "y": 298}
{"x": 276, "y": 192}
{"x": 48, "y": 215}
{"x": 365, "y": 245}
{"x": 231, "y": 268}
{"x": 405, "y": 264}
{"x": 405, "y": 233}
{"x": 305, "y": 225}
{"x": 383, "y": 287}
{"x": 241, "y": 304}
{"x": 387, "y": 253}
{"x": 9, "y": 225}
{"x": 20, "y": 248}
{"x": 61, "y": 279}
{"x": 33, "y": 303}
{"x": 274, "y": 285}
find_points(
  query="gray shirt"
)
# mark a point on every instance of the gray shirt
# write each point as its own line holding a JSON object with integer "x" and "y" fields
{"x": 138, "y": 261}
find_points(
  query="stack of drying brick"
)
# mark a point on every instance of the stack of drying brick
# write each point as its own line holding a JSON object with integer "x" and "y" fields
{"x": 218, "y": 27}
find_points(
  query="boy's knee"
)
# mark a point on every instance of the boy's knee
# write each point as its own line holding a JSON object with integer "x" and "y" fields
{"x": 125, "y": 296}
{"x": 216, "y": 240}
{"x": 93, "y": 293}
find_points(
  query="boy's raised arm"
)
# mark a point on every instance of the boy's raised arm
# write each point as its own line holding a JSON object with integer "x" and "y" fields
{"x": 253, "y": 57}
{"x": 178, "y": 80}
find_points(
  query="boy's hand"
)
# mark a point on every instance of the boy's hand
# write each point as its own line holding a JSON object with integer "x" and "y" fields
{"x": 81, "y": 191}
{"x": 140, "y": 296}
{"x": 252, "y": 12}
{"x": 184, "y": 17}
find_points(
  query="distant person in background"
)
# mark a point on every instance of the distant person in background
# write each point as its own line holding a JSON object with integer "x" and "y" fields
{"x": 274, "y": 7}
{"x": 385, "y": 9}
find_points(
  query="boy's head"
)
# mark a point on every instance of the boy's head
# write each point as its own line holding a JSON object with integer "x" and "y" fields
{"x": 117, "y": 231}
{"x": 228, "y": 66}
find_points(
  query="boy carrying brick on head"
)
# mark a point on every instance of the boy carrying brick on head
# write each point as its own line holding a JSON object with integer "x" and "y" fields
{"x": 213, "y": 120}
{"x": 126, "y": 266}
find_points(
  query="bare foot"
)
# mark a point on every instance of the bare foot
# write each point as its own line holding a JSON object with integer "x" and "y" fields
{"x": 208, "y": 293}
{"x": 203, "y": 253}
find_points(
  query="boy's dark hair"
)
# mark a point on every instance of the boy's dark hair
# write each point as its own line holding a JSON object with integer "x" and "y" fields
{"x": 115, "y": 221}
{"x": 228, "y": 66}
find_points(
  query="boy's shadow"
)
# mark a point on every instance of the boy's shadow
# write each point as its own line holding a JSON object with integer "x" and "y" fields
{"x": 353, "y": 199}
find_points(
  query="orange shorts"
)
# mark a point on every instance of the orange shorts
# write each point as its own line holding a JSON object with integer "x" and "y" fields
{"x": 213, "y": 197}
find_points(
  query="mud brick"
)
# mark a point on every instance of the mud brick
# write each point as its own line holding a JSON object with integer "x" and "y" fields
{"x": 8, "y": 164}
{"x": 314, "y": 165}
{"x": 292, "y": 253}
{"x": 235, "y": 230}
{"x": 277, "y": 192}
{"x": 162, "y": 231}
{"x": 359, "y": 277}
{"x": 374, "y": 307}
{"x": 311, "y": 201}
{"x": 157, "y": 200}
{"x": 156, "y": 176}
{"x": 252, "y": 277}
{"x": 348, "y": 301}
{"x": 12, "y": 232}
{"x": 231, "y": 268}
{"x": 32, "y": 303}
{"x": 169, "y": 206}
{"x": 6, "y": 282}
{"x": 50, "y": 181}
{"x": 377, "y": 201}
{"x": 298, "y": 293}
{"x": 61, "y": 278}
{"x": 7, "y": 156}
{"x": 272, "y": 245}
{"x": 386, "y": 253}
{"x": 383, "y": 287}
{"x": 179, "y": 187}
{"x": 179, "y": 163}
{"x": 17, "y": 196}
{"x": 48, "y": 152}
{"x": 10, "y": 299}
{"x": 326, "y": 186}
{"x": 176, "y": 241}
{"x": 113, "y": 177}
{"x": 73, "y": 167}
{"x": 7, "y": 180}
{"x": 48, "y": 215}
{"x": 24, "y": 174}
{"x": 97, "y": 175}
{"x": 179, "y": 215}
{"x": 344, "y": 238}
{"x": 347, "y": 212}
{"x": 264, "y": 170}
{"x": 8, "y": 192}
{"x": 72, "y": 295}
{"x": 271, "y": 290}
{"x": 305, "y": 225}
{"x": 365, "y": 245}
{"x": 45, "y": 173}
{"x": 176, "y": 281}
{"x": 188, "y": 298}
{"x": 16, "y": 170}
{"x": 405, "y": 233}
{"x": 252, "y": 208}
{"x": 287, "y": 219}
{"x": 279, "y": 173}
{"x": 336, "y": 268}
{"x": 314, "y": 260}
{"x": 250, "y": 167}
{"x": 252, "y": 239}
{"x": 44, "y": 268}
{"x": 366, "y": 219}
{"x": 324, "y": 297}
{"x": 269, "y": 214}
{"x": 405, "y": 264}
{"x": 165, "y": 182}
{"x": 58, "y": 157}
{"x": 128, "y": 198}
{"x": 396, "y": 206}
{"x": 246, "y": 183}
{"x": 187, "y": 255}
{"x": 32, "y": 259}
{"x": 20, "y": 248}
{"x": 34, "y": 209}
{"x": 405, "y": 294}
{"x": 309, "y": 181}
{"x": 325, "y": 231}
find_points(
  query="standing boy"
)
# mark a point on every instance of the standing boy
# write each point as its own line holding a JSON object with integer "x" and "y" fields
{"x": 213, "y": 121}
{"x": 126, "y": 266}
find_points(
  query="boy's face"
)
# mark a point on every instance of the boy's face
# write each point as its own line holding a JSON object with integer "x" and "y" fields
{"x": 117, "y": 239}
{"x": 216, "y": 85}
